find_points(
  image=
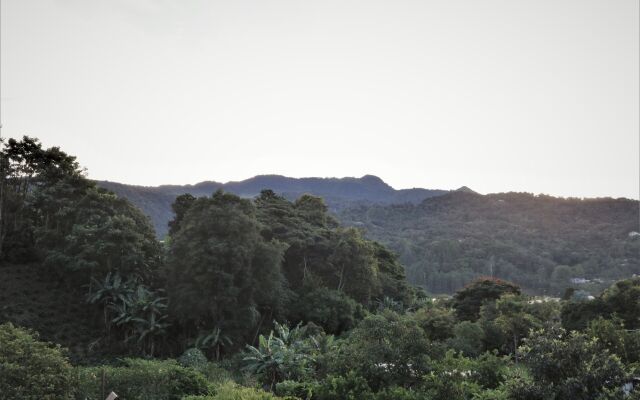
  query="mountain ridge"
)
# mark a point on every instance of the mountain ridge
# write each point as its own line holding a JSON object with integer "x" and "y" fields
{"x": 338, "y": 193}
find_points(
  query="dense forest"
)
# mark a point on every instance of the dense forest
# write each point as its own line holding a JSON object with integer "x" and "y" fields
{"x": 447, "y": 238}
{"x": 543, "y": 243}
{"x": 271, "y": 297}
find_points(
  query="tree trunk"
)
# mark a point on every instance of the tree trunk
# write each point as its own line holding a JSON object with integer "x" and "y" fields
{"x": 304, "y": 270}
{"x": 341, "y": 283}
{"x": 255, "y": 336}
{"x": 3, "y": 178}
{"x": 515, "y": 348}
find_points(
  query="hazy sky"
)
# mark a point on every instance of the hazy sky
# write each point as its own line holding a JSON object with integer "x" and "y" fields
{"x": 537, "y": 96}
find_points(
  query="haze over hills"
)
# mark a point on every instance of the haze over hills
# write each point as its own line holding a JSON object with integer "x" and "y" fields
{"x": 338, "y": 193}
{"x": 543, "y": 243}
{"x": 446, "y": 238}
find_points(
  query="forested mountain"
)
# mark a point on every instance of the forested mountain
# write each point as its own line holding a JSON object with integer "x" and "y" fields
{"x": 338, "y": 193}
{"x": 543, "y": 243}
{"x": 447, "y": 238}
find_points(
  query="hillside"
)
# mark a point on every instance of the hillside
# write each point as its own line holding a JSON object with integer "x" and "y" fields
{"x": 339, "y": 193}
{"x": 447, "y": 238}
{"x": 543, "y": 243}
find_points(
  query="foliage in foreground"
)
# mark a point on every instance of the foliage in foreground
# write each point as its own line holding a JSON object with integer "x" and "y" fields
{"x": 232, "y": 391}
{"x": 142, "y": 379}
{"x": 30, "y": 369}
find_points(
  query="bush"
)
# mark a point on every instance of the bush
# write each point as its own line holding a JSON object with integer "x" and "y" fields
{"x": 215, "y": 373}
{"x": 348, "y": 387}
{"x": 385, "y": 349}
{"x": 142, "y": 380}
{"x": 30, "y": 369}
{"x": 193, "y": 358}
{"x": 300, "y": 390}
{"x": 231, "y": 391}
{"x": 399, "y": 393}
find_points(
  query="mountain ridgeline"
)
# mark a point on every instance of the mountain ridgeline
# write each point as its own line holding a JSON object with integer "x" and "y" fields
{"x": 338, "y": 193}
{"x": 445, "y": 239}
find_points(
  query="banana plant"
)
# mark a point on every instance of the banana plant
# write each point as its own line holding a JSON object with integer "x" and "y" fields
{"x": 213, "y": 340}
{"x": 110, "y": 291}
{"x": 284, "y": 354}
{"x": 148, "y": 328}
{"x": 138, "y": 311}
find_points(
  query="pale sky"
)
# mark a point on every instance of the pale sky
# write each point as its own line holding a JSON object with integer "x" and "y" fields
{"x": 510, "y": 95}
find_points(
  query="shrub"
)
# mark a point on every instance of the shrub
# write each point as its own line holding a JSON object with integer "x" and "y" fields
{"x": 386, "y": 349}
{"x": 193, "y": 358}
{"x": 142, "y": 380}
{"x": 348, "y": 387}
{"x": 215, "y": 373}
{"x": 300, "y": 390}
{"x": 399, "y": 393}
{"x": 231, "y": 391}
{"x": 30, "y": 369}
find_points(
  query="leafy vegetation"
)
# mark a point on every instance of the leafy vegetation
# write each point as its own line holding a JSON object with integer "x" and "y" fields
{"x": 447, "y": 239}
{"x": 270, "y": 298}
{"x": 141, "y": 379}
{"x": 30, "y": 369}
{"x": 542, "y": 243}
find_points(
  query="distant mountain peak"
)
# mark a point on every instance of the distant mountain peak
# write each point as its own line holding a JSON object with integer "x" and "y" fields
{"x": 465, "y": 189}
{"x": 372, "y": 178}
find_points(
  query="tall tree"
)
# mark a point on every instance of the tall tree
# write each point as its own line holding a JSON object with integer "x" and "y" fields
{"x": 180, "y": 207}
{"x": 221, "y": 272}
{"x": 25, "y": 167}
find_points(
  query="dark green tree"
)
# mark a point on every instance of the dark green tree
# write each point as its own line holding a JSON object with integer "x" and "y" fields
{"x": 623, "y": 298}
{"x": 85, "y": 232}
{"x": 568, "y": 366}
{"x": 386, "y": 349}
{"x": 333, "y": 310}
{"x": 221, "y": 272}
{"x": 468, "y": 301}
{"x": 180, "y": 207}
{"x": 325, "y": 260}
{"x": 26, "y": 167}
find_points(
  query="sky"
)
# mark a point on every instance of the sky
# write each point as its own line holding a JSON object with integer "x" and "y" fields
{"x": 498, "y": 95}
